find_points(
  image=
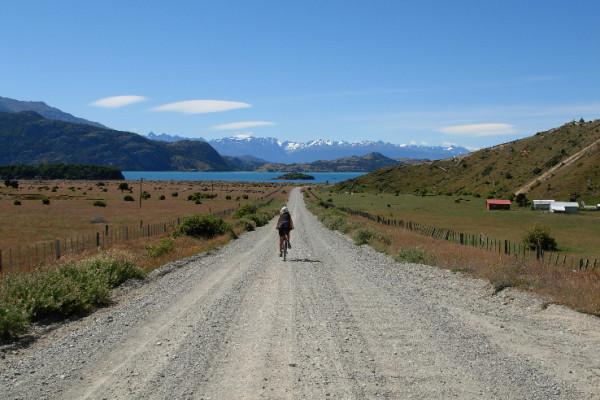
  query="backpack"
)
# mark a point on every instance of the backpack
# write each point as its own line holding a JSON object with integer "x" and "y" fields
{"x": 284, "y": 221}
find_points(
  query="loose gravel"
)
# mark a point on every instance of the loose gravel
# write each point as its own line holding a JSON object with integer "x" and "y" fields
{"x": 334, "y": 321}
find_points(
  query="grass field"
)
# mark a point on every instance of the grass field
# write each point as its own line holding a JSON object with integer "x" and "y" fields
{"x": 576, "y": 235}
{"x": 71, "y": 211}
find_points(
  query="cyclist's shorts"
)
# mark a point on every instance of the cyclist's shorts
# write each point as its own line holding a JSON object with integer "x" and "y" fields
{"x": 284, "y": 231}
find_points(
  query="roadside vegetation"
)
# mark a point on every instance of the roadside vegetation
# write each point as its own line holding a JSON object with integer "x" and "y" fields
{"x": 78, "y": 284}
{"x": 574, "y": 288}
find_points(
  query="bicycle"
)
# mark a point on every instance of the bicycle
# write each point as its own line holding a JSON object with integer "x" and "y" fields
{"x": 285, "y": 247}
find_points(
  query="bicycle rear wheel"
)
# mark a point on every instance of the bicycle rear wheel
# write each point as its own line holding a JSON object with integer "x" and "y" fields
{"x": 285, "y": 249}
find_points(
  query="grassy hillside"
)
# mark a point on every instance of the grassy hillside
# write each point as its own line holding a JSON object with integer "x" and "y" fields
{"x": 554, "y": 164}
{"x": 28, "y": 138}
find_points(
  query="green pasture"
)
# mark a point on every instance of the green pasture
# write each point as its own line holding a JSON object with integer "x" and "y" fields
{"x": 576, "y": 235}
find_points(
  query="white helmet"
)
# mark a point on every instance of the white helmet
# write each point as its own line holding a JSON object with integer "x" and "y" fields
{"x": 284, "y": 209}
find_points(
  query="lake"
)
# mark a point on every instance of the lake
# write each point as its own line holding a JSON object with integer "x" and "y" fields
{"x": 244, "y": 176}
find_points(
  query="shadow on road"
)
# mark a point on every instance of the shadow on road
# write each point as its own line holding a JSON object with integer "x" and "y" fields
{"x": 305, "y": 260}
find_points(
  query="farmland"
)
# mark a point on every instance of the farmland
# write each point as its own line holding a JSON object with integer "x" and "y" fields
{"x": 575, "y": 234}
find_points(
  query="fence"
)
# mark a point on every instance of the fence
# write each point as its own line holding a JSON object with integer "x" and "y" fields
{"x": 480, "y": 241}
{"x": 52, "y": 250}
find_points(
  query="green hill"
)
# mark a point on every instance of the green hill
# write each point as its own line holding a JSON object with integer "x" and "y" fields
{"x": 28, "y": 138}
{"x": 556, "y": 164}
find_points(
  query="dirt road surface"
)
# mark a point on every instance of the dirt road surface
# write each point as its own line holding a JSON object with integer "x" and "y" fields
{"x": 336, "y": 321}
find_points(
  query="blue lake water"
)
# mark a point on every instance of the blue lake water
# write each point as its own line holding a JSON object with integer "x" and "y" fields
{"x": 320, "y": 177}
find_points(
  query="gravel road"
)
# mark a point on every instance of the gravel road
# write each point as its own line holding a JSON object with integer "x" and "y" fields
{"x": 335, "y": 321}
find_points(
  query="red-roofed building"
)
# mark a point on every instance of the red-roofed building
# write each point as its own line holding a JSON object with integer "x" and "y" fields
{"x": 496, "y": 204}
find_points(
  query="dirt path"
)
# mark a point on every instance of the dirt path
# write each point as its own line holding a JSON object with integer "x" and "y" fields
{"x": 337, "y": 321}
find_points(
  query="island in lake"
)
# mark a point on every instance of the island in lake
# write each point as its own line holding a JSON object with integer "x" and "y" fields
{"x": 295, "y": 176}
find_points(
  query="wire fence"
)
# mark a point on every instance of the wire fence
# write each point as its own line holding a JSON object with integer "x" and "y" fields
{"x": 481, "y": 241}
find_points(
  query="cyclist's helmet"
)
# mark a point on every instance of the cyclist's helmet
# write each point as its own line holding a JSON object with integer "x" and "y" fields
{"x": 284, "y": 209}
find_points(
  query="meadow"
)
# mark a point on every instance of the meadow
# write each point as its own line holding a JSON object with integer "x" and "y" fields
{"x": 576, "y": 235}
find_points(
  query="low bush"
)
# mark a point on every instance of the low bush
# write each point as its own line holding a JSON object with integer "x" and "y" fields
{"x": 247, "y": 224}
{"x": 204, "y": 227}
{"x": 17, "y": 202}
{"x": 46, "y": 201}
{"x": 128, "y": 198}
{"x": 165, "y": 246}
{"x": 416, "y": 255}
{"x": 99, "y": 203}
{"x": 369, "y": 234}
{"x": 71, "y": 288}
{"x": 246, "y": 209}
{"x": 336, "y": 222}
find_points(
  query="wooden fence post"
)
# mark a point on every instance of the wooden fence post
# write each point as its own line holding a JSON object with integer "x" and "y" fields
{"x": 57, "y": 248}
{"x": 97, "y": 239}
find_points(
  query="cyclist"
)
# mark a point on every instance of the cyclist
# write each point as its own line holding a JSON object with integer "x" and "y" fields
{"x": 284, "y": 225}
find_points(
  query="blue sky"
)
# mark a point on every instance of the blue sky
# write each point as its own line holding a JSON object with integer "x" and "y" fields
{"x": 475, "y": 72}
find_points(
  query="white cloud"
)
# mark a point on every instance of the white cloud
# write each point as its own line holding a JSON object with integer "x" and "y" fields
{"x": 201, "y": 106}
{"x": 478, "y": 130}
{"x": 241, "y": 125}
{"x": 118, "y": 101}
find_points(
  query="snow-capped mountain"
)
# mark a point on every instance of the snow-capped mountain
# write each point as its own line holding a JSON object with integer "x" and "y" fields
{"x": 287, "y": 152}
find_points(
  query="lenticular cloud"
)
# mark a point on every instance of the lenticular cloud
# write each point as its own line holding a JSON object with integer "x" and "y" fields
{"x": 118, "y": 101}
{"x": 241, "y": 125}
{"x": 201, "y": 106}
{"x": 479, "y": 129}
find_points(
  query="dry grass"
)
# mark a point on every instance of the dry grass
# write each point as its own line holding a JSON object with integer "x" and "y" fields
{"x": 71, "y": 208}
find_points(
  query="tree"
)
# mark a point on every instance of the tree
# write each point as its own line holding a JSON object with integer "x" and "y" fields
{"x": 539, "y": 235}
{"x": 123, "y": 186}
{"x": 522, "y": 200}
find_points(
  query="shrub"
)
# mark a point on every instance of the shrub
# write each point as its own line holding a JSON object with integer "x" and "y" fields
{"x": 228, "y": 197}
{"x": 128, "y": 198}
{"x": 69, "y": 289}
{"x": 98, "y": 219}
{"x": 46, "y": 201}
{"x": 99, "y": 203}
{"x": 539, "y": 235}
{"x": 162, "y": 197}
{"x": 165, "y": 246}
{"x": 123, "y": 186}
{"x": 336, "y": 222}
{"x": 367, "y": 234}
{"x": 146, "y": 195}
{"x": 245, "y": 196}
{"x": 174, "y": 194}
{"x": 247, "y": 223}
{"x": 246, "y": 209}
{"x": 17, "y": 202}
{"x": 205, "y": 227}
{"x": 416, "y": 255}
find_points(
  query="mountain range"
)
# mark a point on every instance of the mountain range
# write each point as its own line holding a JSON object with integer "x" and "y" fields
{"x": 28, "y": 138}
{"x": 288, "y": 152}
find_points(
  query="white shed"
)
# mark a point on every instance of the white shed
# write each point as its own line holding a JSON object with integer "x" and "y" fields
{"x": 542, "y": 204}
{"x": 565, "y": 207}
